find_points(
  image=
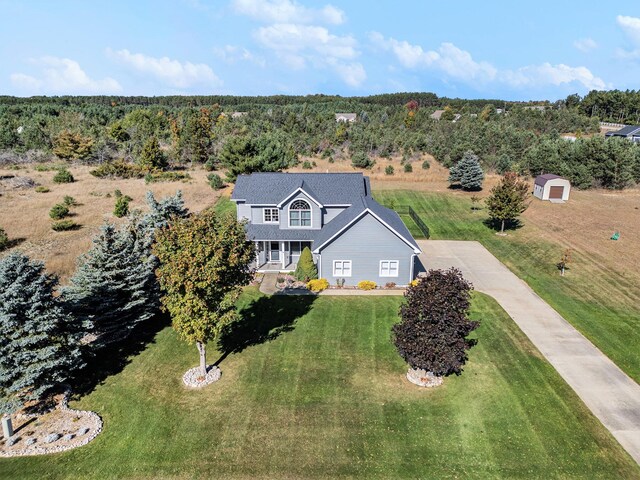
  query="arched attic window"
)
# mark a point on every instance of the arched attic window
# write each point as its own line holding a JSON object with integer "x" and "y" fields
{"x": 299, "y": 214}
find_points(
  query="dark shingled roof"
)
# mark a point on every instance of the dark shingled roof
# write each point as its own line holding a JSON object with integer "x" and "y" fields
{"x": 625, "y": 131}
{"x": 388, "y": 216}
{"x": 261, "y": 231}
{"x": 542, "y": 179}
{"x": 327, "y": 188}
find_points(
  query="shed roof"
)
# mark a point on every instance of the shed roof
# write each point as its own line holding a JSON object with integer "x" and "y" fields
{"x": 543, "y": 179}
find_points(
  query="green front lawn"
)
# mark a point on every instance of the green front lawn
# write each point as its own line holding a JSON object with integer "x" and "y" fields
{"x": 316, "y": 390}
{"x": 602, "y": 304}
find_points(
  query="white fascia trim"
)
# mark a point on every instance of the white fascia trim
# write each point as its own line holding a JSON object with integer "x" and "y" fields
{"x": 346, "y": 205}
{"x": 295, "y": 192}
{"x": 415, "y": 249}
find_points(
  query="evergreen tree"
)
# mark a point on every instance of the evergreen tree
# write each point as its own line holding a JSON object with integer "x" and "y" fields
{"x": 467, "y": 172}
{"x": 160, "y": 212}
{"x": 151, "y": 155}
{"x": 508, "y": 199}
{"x": 38, "y": 340}
{"x": 114, "y": 287}
{"x": 306, "y": 269}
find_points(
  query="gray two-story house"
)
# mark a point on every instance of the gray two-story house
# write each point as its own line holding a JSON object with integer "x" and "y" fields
{"x": 351, "y": 236}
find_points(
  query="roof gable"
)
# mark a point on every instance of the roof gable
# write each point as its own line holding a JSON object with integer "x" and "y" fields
{"x": 367, "y": 205}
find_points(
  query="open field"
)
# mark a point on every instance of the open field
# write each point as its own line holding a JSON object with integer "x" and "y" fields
{"x": 600, "y": 294}
{"x": 24, "y": 213}
{"x": 316, "y": 390}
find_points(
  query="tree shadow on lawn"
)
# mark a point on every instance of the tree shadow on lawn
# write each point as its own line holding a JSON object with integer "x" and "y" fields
{"x": 112, "y": 359}
{"x": 263, "y": 320}
{"x": 508, "y": 225}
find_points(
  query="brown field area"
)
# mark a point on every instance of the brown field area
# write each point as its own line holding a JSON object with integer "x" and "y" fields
{"x": 24, "y": 213}
{"x": 584, "y": 224}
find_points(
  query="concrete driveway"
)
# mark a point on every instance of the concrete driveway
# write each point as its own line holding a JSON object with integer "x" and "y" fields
{"x": 607, "y": 391}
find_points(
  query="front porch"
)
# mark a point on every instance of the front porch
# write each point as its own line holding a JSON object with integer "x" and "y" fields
{"x": 278, "y": 256}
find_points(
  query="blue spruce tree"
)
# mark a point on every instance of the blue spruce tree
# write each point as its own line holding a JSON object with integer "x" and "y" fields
{"x": 39, "y": 341}
{"x": 467, "y": 172}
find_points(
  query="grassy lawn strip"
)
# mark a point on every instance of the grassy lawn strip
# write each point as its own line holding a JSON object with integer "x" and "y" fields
{"x": 316, "y": 390}
{"x": 600, "y": 303}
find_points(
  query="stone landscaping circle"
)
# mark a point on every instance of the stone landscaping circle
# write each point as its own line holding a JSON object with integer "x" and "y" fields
{"x": 193, "y": 378}
{"x": 422, "y": 378}
{"x": 57, "y": 430}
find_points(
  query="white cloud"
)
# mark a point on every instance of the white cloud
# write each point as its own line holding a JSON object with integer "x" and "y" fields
{"x": 300, "y": 45}
{"x": 176, "y": 74}
{"x": 585, "y": 44}
{"x": 292, "y": 38}
{"x": 458, "y": 64}
{"x": 547, "y": 74}
{"x": 448, "y": 59}
{"x": 631, "y": 27}
{"x": 63, "y": 75}
{"x": 287, "y": 11}
{"x": 234, "y": 54}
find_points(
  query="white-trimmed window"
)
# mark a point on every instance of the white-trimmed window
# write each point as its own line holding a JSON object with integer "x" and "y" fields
{"x": 299, "y": 214}
{"x": 389, "y": 268}
{"x": 270, "y": 215}
{"x": 342, "y": 268}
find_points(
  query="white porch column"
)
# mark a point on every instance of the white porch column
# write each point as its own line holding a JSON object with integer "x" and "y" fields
{"x": 257, "y": 255}
{"x": 282, "y": 252}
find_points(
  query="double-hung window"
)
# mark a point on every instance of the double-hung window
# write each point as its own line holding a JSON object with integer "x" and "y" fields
{"x": 271, "y": 215}
{"x": 342, "y": 268}
{"x": 389, "y": 268}
{"x": 299, "y": 214}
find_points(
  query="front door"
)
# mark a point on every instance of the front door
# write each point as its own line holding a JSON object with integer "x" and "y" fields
{"x": 274, "y": 252}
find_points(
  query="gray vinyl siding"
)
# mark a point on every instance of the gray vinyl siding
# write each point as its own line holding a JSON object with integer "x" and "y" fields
{"x": 365, "y": 243}
{"x": 330, "y": 213}
{"x": 316, "y": 214}
{"x": 243, "y": 211}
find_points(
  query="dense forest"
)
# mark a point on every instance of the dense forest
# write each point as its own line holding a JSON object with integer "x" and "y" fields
{"x": 245, "y": 134}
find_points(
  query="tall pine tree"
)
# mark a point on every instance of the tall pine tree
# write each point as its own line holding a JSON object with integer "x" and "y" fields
{"x": 39, "y": 346}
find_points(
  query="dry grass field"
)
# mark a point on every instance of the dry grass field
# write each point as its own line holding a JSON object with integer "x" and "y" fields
{"x": 584, "y": 224}
{"x": 24, "y": 213}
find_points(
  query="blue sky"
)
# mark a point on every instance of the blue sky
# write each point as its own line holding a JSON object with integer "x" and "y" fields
{"x": 493, "y": 49}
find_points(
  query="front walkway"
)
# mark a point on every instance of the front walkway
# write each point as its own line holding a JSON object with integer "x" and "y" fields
{"x": 608, "y": 392}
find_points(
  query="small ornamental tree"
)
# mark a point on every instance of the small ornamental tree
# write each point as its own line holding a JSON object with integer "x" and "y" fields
{"x": 306, "y": 269}
{"x": 38, "y": 340}
{"x": 467, "y": 172}
{"x": 508, "y": 199}
{"x": 565, "y": 260}
{"x": 434, "y": 324}
{"x": 204, "y": 260}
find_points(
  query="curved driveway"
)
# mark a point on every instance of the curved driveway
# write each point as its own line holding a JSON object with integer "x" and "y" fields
{"x": 607, "y": 391}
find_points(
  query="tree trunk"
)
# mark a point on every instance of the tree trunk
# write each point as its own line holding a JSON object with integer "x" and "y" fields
{"x": 502, "y": 229}
{"x": 202, "y": 348}
{"x": 562, "y": 271}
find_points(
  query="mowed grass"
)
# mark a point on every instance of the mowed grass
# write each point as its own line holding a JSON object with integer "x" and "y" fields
{"x": 601, "y": 303}
{"x": 316, "y": 390}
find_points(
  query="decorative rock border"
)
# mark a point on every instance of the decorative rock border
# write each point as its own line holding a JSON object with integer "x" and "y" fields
{"x": 193, "y": 379}
{"x": 422, "y": 378}
{"x": 46, "y": 444}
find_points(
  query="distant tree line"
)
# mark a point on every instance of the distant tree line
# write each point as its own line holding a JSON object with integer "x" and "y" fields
{"x": 161, "y": 132}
